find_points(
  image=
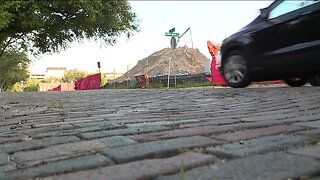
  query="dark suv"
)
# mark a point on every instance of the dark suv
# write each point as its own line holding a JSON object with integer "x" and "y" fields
{"x": 283, "y": 42}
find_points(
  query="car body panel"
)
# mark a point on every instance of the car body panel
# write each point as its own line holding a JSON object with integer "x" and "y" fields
{"x": 279, "y": 46}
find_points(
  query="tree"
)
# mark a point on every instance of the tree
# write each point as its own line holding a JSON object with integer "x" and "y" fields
{"x": 50, "y": 26}
{"x": 103, "y": 79}
{"x": 51, "y": 80}
{"x": 74, "y": 75}
{"x": 13, "y": 68}
{"x": 16, "y": 88}
{"x": 31, "y": 85}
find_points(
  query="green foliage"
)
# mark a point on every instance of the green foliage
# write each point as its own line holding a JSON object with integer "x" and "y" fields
{"x": 182, "y": 174}
{"x": 51, "y": 80}
{"x": 50, "y": 26}
{"x": 103, "y": 79}
{"x": 194, "y": 84}
{"x": 155, "y": 85}
{"x": 74, "y": 75}
{"x": 31, "y": 85}
{"x": 13, "y": 68}
{"x": 16, "y": 88}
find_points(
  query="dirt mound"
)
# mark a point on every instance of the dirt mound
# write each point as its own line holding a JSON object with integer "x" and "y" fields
{"x": 183, "y": 60}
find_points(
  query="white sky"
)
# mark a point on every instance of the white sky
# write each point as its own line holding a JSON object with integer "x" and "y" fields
{"x": 208, "y": 20}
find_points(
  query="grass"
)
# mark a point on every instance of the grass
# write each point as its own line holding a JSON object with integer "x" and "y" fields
{"x": 159, "y": 85}
{"x": 184, "y": 150}
{"x": 181, "y": 174}
{"x": 180, "y": 86}
{"x": 194, "y": 84}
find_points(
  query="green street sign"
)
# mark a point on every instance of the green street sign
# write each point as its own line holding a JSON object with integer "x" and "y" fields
{"x": 172, "y": 30}
{"x": 172, "y": 34}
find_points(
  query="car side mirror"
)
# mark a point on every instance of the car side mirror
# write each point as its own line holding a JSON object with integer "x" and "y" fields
{"x": 264, "y": 13}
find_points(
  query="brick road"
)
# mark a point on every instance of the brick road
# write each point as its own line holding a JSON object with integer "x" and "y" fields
{"x": 203, "y": 133}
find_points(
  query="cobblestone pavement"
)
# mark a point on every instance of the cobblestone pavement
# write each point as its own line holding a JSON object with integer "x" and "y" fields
{"x": 203, "y": 133}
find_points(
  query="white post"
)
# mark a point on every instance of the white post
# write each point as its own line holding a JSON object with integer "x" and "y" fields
{"x": 168, "y": 86}
{"x": 114, "y": 78}
{"x": 128, "y": 75}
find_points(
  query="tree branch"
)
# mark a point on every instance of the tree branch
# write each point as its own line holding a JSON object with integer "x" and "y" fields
{"x": 5, "y": 46}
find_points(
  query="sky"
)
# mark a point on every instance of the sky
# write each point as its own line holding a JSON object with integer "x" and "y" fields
{"x": 208, "y": 20}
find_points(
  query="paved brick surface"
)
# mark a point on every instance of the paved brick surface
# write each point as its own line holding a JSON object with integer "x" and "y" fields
{"x": 258, "y": 146}
{"x": 62, "y": 166}
{"x": 144, "y": 169}
{"x": 313, "y": 124}
{"x": 250, "y": 133}
{"x": 68, "y": 149}
{"x": 268, "y": 166}
{"x": 254, "y": 133}
{"x": 36, "y": 144}
{"x": 4, "y": 158}
{"x": 312, "y": 151}
{"x": 122, "y": 132}
{"x": 157, "y": 148}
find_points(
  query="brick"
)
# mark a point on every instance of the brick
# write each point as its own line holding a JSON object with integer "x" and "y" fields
{"x": 312, "y": 124}
{"x": 312, "y": 132}
{"x": 203, "y": 130}
{"x": 69, "y": 149}
{"x": 36, "y": 144}
{"x": 311, "y": 151}
{"x": 274, "y": 165}
{"x": 161, "y": 123}
{"x": 211, "y": 121}
{"x": 254, "y": 133}
{"x": 121, "y": 132}
{"x": 257, "y": 146}
{"x": 4, "y": 158}
{"x": 269, "y": 117}
{"x": 145, "y": 169}
{"x": 156, "y": 148}
{"x": 32, "y": 120}
{"x": 302, "y": 118}
{"x": 63, "y": 166}
{"x": 12, "y": 139}
{"x": 76, "y": 130}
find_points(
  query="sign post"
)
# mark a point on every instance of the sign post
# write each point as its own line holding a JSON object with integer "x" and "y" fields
{"x": 173, "y": 45}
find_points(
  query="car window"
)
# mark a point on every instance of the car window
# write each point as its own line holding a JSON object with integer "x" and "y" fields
{"x": 289, "y": 6}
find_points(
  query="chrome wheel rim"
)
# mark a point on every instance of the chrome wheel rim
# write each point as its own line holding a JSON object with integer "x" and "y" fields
{"x": 235, "y": 69}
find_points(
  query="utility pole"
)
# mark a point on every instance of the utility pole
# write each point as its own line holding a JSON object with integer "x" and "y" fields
{"x": 114, "y": 78}
{"x": 147, "y": 65}
{"x": 128, "y": 75}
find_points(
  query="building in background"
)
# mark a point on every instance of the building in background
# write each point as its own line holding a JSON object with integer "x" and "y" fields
{"x": 51, "y": 72}
{"x": 38, "y": 76}
{"x": 57, "y": 72}
{"x": 64, "y": 86}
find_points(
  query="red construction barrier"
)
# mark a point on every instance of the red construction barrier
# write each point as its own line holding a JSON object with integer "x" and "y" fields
{"x": 58, "y": 88}
{"x": 143, "y": 80}
{"x": 88, "y": 83}
{"x": 216, "y": 77}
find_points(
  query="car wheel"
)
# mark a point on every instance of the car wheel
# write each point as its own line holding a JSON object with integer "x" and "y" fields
{"x": 296, "y": 82}
{"x": 235, "y": 70}
{"x": 314, "y": 80}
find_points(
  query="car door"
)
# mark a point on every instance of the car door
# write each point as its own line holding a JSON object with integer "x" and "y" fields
{"x": 285, "y": 39}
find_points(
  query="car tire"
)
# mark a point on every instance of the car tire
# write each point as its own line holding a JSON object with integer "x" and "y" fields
{"x": 314, "y": 80}
{"x": 296, "y": 82}
{"x": 235, "y": 70}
